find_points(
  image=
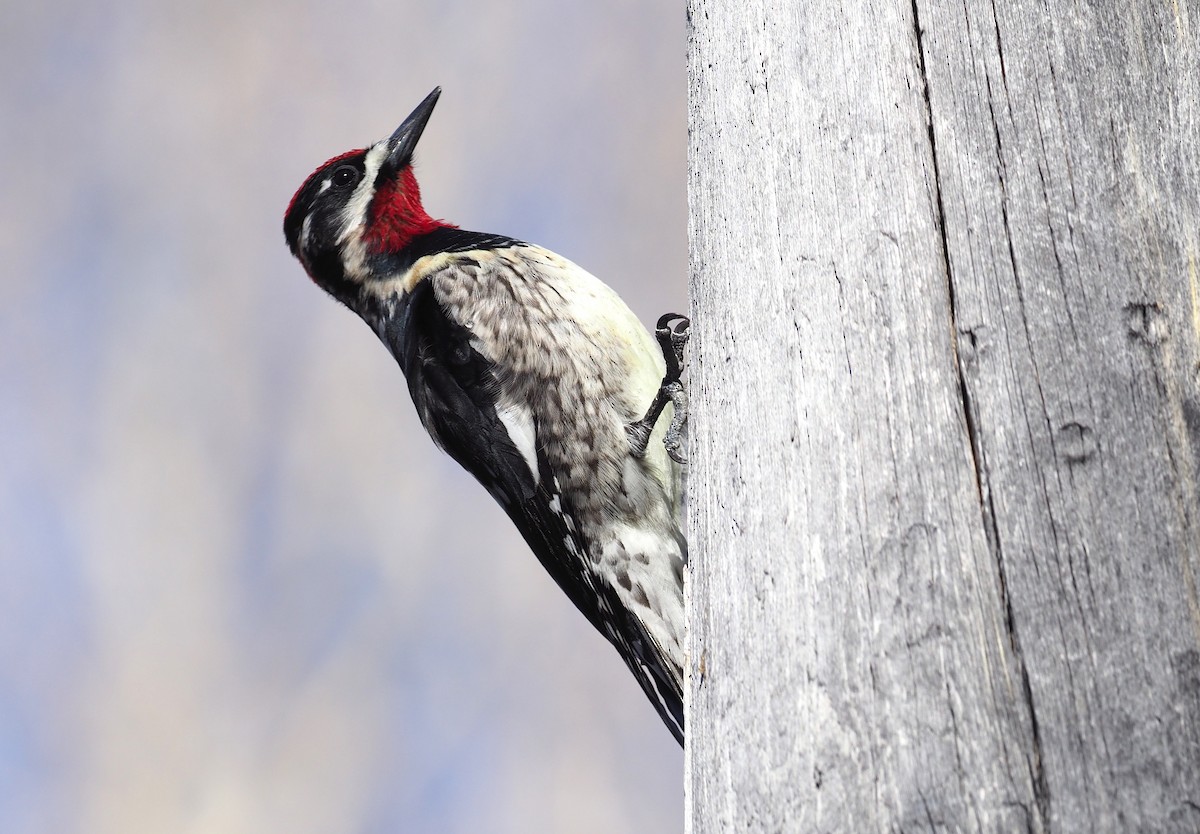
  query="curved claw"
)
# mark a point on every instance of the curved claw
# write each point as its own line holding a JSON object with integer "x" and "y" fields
{"x": 682, "y": 323}
{"x": 672, "y": 332}
{"x": 675, "y": 438}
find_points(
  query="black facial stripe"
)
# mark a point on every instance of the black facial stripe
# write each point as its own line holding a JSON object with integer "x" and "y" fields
{"x": 312, "y": 200}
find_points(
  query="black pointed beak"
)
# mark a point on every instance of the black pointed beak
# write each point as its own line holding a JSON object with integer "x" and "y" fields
{"x": 404, "y": 141}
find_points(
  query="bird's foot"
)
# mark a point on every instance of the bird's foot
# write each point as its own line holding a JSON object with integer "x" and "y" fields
{"x": 672, "y": 331}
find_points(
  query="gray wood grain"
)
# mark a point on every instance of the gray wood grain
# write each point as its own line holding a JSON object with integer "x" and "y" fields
{"x": 945, "y": 460}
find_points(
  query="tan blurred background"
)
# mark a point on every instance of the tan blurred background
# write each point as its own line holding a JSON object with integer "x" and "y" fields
{"x": 240, "y": 591}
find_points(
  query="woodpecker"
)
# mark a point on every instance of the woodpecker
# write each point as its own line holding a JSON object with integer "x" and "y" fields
{"x": 535, "y": 377}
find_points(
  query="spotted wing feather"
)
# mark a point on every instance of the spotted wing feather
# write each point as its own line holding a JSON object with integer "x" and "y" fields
{"x": 456, "y": 391}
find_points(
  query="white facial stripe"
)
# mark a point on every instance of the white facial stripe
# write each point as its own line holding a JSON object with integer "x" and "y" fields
{"x": 354, "y": 215}
{"x": 326, "y": 184}
{"x": 305, "y": 227}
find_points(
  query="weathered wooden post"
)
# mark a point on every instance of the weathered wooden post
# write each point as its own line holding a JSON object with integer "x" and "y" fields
{"x": 945, "y": 480}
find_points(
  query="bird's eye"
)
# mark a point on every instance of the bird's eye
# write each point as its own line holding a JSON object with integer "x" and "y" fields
{"x": 345, "y": 176}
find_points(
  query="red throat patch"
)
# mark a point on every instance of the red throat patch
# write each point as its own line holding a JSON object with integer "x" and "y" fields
{"x": 396, "y": 214}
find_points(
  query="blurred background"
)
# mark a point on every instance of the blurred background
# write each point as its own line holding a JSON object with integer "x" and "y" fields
{"x": 240, "y": 590}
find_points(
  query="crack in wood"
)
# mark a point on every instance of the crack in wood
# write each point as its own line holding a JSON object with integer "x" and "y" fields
{"x": 1039, "y": 821}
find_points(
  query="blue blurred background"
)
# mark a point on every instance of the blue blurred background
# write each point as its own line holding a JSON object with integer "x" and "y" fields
{"x": 240, "y": 591}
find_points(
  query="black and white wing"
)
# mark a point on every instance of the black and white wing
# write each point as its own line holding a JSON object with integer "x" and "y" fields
{"x": 458, "y": 398}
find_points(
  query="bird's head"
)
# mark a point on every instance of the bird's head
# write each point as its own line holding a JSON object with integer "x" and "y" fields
{"x": 352, "y": 219}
